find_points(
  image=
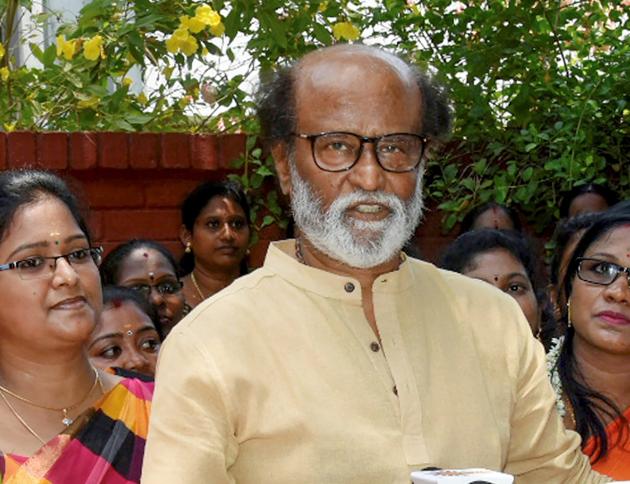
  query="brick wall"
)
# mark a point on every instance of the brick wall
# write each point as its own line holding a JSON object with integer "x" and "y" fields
{"x": 134, "y": 183}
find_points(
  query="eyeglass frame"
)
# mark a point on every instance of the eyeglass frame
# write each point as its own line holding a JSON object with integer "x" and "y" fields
{"x": 94, "y": 253}
{"x": 177, "y": 282}
{"x": 620, "y": 269}
{"x": 362, "y": 139}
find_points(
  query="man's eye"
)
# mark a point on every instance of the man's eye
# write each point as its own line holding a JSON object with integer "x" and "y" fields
{"x": 111, "y": 353}
{"x": 390, "y": 148}
{"x": 150, "y": 345}
{"x": 30, "y": 263}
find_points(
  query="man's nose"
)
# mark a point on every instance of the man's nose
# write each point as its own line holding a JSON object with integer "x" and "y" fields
{"x": 367, "y": 173}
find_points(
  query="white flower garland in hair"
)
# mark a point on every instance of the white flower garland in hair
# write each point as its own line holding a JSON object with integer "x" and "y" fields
{"x": 554, "y": 376}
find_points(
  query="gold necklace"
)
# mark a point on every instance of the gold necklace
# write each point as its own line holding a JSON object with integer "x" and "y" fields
{"x": 299, "y": 255}
{"x": 66, "y": 420}
{"x": 194, "y": 281}
{"x": 21, "y": 420}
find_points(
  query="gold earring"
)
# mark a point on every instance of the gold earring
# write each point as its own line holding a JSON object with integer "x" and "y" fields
{"x": 188, "y": 250}
{"x": 569, "y": 323}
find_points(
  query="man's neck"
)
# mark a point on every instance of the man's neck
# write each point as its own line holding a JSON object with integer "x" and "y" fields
{"x": 313, "y": 257}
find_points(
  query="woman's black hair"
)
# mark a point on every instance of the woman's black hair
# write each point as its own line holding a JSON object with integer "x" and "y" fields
{"x": 116, "y": 295}
{"x": 565, "y": 231}
{"x": 587, "y": 403}
{"x": 111, "y": 266}
{"x": 197, "y": 200}
{"x": 19, "y": 188}
{"x": 603, "y": 191}
{"x": 471, "y": 217}
{"x": 459, "y": 257}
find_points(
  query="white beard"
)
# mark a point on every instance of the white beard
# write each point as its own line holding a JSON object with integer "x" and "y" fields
{"x": 356, "y": 243}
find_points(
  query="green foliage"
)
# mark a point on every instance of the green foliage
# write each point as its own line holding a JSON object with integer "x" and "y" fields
{"x": 539, "y": 88}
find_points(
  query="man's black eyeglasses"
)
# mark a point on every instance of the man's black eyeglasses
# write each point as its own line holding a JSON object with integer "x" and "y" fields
{"x": 339, "y": 151}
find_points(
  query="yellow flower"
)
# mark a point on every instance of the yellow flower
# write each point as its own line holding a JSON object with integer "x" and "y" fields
{"x": 190, "y": 46}
{"x": 182, "y": 40}
{"x": 127, "y": 81}
{"x": 207, "y": 15}
{"x": 4, "y": 73}
{"x": 2, "y": 51}
{"x": 218, "y": 30}
{"x": 8, "y": 127}
{"x": 142, "y": 98}
{"x": 93, "y": 48}
{"x": 345, "y": 30}
{"x": 193, "y": 24}
{"x": 89, "y": 103}
{"x": 322, "y": 7}
{"x": 66, "y": 47}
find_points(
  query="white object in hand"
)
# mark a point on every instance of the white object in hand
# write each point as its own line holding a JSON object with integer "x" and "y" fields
{"x": 461, "y": 476}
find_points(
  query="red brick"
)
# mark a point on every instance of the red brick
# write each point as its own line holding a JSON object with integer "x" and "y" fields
{"x": 231, "y": 147}
{"x": 271, "y": 232}
{"x": 83, "y": 152}
{"x": 52, "y": 150}
{"x": 121, "y": 225}
{"x": 144, "y": 150}
{"x": 3, "y": 151}
{"x": 113, "y": 150}
{"x": 168, "y": 193}
{"x": 257, "y": 254}
{"x": 114, "y": 193}
{"x": 22, "y": 149}
{"x": 95, "y": 223}
{"x": 174, "y": 246}
{"x": 203, "y": 152}
{"x": 175, "y": 150}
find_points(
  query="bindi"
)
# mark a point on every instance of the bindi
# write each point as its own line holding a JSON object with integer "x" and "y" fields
{"x": 152, "y": 276}
{"x": 55, "y": 235}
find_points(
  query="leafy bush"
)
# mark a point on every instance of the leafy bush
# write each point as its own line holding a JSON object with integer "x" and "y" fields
{"x": 540, "y": 89}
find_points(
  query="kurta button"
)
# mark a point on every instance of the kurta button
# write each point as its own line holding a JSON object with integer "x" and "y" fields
{"x": 349, "y": 287}
{"x": 395, "y": 390}
{"x": 374, "y": 346}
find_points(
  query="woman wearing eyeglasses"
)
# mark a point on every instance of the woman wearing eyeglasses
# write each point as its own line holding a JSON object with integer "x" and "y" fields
{"x": 590, "y": 365}
{"x": 149, "y": 268}
{"x": 62, "y": 420}
{"x": 126, "y": 338}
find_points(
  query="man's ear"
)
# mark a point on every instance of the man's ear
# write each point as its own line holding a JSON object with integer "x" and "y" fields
{"x": 280, "y": 153}
{"x": 184, "y": 235}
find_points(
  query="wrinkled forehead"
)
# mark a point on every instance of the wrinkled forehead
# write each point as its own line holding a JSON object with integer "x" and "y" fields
{"x": 355, "y": 60}
{"x": 364, "y": 83}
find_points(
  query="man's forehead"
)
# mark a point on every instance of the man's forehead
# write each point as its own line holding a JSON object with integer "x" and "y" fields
{"x": 348, "y": 62}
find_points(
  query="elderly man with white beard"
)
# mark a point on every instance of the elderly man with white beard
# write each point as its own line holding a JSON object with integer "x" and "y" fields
{"x": 342, "y": 360}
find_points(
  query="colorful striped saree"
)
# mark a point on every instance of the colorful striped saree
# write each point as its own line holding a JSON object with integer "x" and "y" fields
{"x": 106, "y": 445}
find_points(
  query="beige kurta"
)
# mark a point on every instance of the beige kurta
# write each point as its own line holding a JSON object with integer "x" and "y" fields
{"x": 279, "y": 379}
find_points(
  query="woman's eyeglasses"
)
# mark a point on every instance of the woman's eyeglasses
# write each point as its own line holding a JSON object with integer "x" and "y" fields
{"x": 165, "y": 288}
{"x": 597, "y": 271}
{"x": 41, "y": 267}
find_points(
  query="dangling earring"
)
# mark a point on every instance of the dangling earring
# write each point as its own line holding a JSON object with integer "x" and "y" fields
{"x": 188, "y": 250}
{"x": 569, "y": 323}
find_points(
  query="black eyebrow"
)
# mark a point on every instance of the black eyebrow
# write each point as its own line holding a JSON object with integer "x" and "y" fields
{"x": 44, "y": 243}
